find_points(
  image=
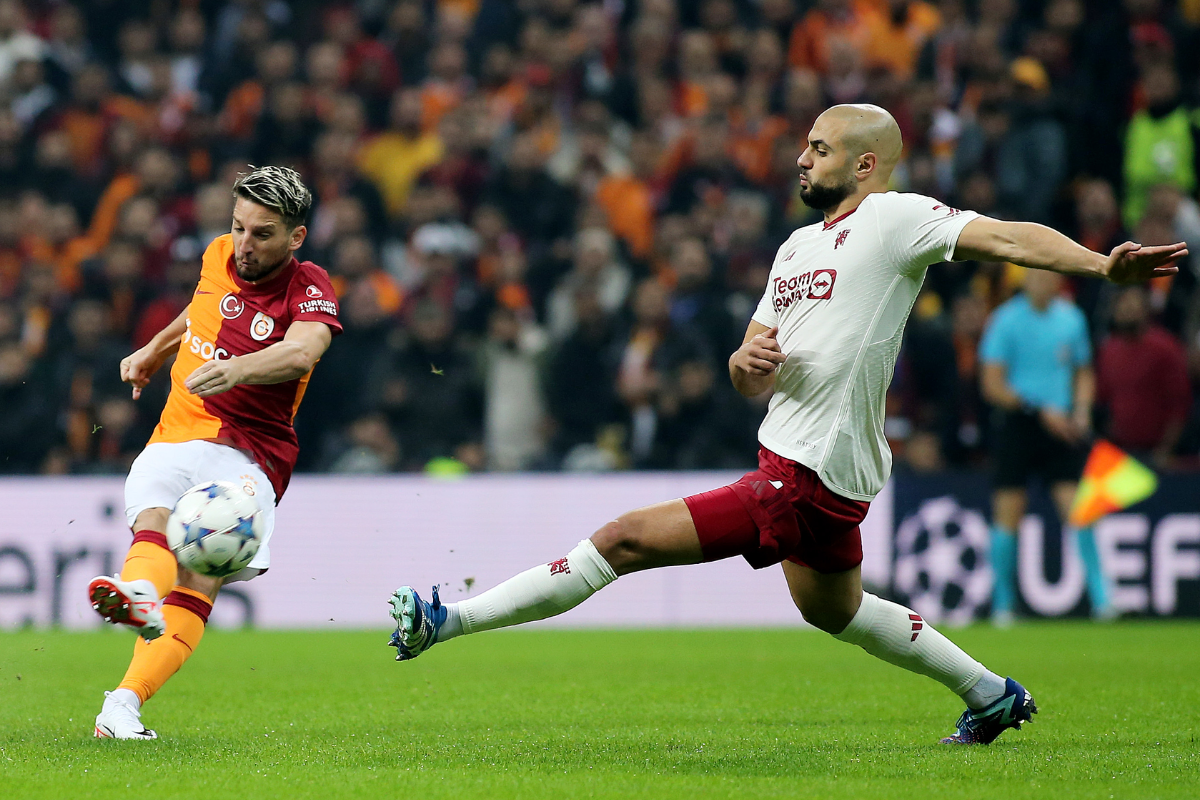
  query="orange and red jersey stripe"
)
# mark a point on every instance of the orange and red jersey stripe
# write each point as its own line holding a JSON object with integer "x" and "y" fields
{"x": 230, "y": 317}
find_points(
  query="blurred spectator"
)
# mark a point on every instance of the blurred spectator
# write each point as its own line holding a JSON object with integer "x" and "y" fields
{"x": 827, "y": 24}
{"x": 653, "y": 348}
{"x": 709, "y": 174}
{"x": 1160, "y": 142}
{"x": 514, "y": 422}
{"x": 371, "y": 448}
{"x": 697, "y": 301}
{"x": 1021, "y": 143}
{"x": 67, "y": 48}
{"x": 897, "y": 35}
{"x": 538, "y": 207}
{"x": 928, "y": 377}
{"x": 395, "y": 158}
{"x": 17, "y": 43}
{"x": 703, "y": 423}
{"x": 370, "y": 67}
{"x": 595, "y": 267}
{"x": 179, "y": 282}
{"x": 426, "y": 386}
{"x": 285, "y": 132}
{"x": 580, "y": 380}
{"x": 1142, "y": 381}
{"x": 628, "y": 198}
{"x": 27, "y": 425}
{"x": 32, "y": 95}
{"x": 335, "y": 178}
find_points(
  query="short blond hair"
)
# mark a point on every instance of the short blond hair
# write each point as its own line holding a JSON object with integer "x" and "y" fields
{"x": 278, "y": 188}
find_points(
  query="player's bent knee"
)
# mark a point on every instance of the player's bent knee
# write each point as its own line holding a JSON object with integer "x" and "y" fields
{"x": 199, "y": 583}
{"x": 619, "y": 544}
{"x": 827, "y": 614}
{"x": 831, "y": 621}
{"x": 152, "y": 519}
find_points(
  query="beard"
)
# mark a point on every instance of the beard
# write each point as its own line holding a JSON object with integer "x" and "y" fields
{"x": 822, "y": 196}
{"x": 257, "y": 270}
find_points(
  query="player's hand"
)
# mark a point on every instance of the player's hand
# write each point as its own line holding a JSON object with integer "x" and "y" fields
{"x": 214, "y": 377}
{"x": 137, "y": 368}
{"x": 1134, "y": 263}
{"x": 1060, "y": 425}
{"x": 761, "y": 355}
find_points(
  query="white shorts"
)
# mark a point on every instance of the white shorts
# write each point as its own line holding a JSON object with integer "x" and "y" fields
{"x": 165, "y": 470}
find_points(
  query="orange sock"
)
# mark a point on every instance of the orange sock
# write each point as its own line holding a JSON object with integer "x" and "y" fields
{"x": 186, "y": 612}
{"x": 151, "y": 559}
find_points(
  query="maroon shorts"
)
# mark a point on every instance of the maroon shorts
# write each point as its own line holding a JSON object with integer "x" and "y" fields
{"x": 799, "y": 519}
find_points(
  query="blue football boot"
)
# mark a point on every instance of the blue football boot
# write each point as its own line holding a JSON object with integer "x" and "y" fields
{"x": 417, "y": 622}
{"x": 982, "y": 726}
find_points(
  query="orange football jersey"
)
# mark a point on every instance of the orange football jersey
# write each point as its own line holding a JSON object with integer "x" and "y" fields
{"x": 230, "y": 317}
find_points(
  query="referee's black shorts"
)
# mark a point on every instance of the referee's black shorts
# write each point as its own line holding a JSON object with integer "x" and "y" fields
{"x": 1024, "y": 448}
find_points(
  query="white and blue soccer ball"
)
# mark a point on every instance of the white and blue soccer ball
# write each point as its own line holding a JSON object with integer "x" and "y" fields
{"x": 215, "y": 529}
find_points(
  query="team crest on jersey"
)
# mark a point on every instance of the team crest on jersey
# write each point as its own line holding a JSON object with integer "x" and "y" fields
{"x": 815, "y": 285}
{"x": 841, "y": 238}
{"x": 313, "y": 291}
{"x": 232, "y": 306}
{"x": 261, "y": 327}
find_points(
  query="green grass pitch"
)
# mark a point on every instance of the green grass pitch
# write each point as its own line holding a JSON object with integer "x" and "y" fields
{"x": 615, "y": 714}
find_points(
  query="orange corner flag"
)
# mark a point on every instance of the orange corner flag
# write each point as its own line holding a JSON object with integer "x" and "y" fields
{"x": 1112, "y": 480}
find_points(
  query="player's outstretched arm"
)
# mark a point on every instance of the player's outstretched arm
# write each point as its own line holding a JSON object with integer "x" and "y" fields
{"x": 294, "y": 357}
{"x": 138, "y": 367}
{"x": 752, "y": 366}
{"x": 1038, "y": 247}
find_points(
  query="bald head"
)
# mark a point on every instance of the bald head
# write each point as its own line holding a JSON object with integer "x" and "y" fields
{"x": 851, "y": 152}
{"x": 866, "y": 128}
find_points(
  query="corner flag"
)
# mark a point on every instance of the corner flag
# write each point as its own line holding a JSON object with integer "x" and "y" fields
{"x": 1112, "y": 480}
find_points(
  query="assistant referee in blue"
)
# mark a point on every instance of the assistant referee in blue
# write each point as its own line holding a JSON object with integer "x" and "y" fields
{"x": 1037, "y": 374}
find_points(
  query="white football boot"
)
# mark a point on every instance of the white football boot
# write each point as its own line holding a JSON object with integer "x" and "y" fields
{"x": 132, "y": 603}
{"x": 119, "y": 720}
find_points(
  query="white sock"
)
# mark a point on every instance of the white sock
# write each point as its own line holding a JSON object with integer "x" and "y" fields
{"x": 126, "y": 696}
{"x": 544, "y": 591}
{"x": 452, "y": 626}
{"x": 988, "y": 690}
{"x": 900, "y": 636}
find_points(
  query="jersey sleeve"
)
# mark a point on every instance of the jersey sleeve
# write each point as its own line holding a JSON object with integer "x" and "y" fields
{"x": 312, "y": 299}
{"x": 766, "y": 314}
{"x": 922, "y": 230}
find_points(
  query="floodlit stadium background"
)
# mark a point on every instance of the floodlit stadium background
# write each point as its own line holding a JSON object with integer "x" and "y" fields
{"x": 548, "y": 223}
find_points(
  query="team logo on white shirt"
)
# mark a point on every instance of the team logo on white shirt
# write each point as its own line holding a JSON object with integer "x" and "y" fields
{"x": 815, "y": 285}
{"x": 841, "y": 238}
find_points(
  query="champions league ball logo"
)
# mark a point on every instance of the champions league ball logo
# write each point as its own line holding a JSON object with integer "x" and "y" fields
{"x": 942, "y": 563}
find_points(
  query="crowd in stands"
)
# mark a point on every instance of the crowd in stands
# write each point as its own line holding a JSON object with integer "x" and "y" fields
{"x": 548, "y": 221}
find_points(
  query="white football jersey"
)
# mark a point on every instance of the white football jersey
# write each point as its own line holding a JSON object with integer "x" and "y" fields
{"x": 841, "y": 293}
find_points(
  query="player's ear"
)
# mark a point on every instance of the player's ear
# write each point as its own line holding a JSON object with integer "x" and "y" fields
{"x": 866, "y": 165}
{"x": 296, "y": 238}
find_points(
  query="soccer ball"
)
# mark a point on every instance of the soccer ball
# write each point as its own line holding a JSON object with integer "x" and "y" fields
{"x": 215, "y": 529}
